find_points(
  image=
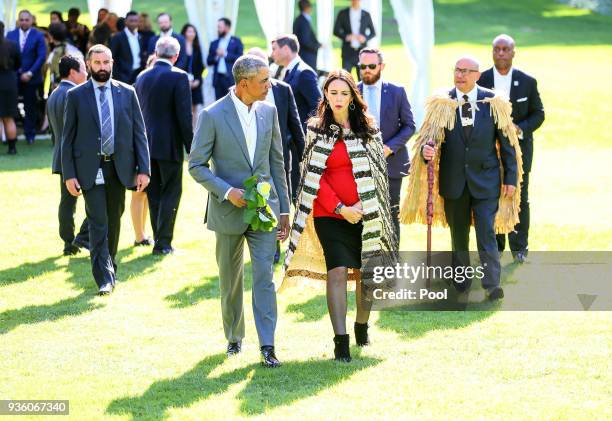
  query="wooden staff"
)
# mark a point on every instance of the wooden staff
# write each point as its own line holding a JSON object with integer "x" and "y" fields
{"x": 430, "y": 209}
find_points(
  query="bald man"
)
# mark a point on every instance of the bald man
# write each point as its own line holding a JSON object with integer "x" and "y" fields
{"x": 469, "y": 177}
{"x": 528, "y": 116}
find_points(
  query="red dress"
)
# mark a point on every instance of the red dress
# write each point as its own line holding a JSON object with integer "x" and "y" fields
{"x": 337, "y": 183}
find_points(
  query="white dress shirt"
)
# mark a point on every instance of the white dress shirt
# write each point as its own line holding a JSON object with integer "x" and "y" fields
{"x": 373, "y": 96}
{"x": 132, "y": 38}
{"x": 270, "y": 97}
{"x": 355, "y": 17}
{"x": 223, "y": 43}
{"x": 23, "y": 37}
{"x": 502, "y": 83}
{"x": 472, "y": 98}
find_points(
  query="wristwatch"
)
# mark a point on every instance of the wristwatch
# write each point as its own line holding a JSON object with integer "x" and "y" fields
{"x": 339, "y": 206}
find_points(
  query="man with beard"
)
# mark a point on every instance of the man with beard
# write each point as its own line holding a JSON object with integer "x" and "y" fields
{"x": 389, "y": 105}
{"x": 104, "y": 151}
{"x": 222, "y": 54}
{"x": 528, "y": 116}
{"x": 164, "y": 21}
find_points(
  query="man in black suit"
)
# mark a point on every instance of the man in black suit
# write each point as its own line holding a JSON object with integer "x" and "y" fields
{"x": 469, "y": 177}
{"x": 355, "y": 28}
{"x": 104, "y": 151}
{"x": 165, "y": 96}
{"x": 72, "y": 72}
{"x": 164, "y": 21}
{"x": 302, "y": 29}
{"x": 528, "y": 116}
{"x": 222, "y": 54}
{"x": 129, "y": 52}
{"x": 303, "y": 82}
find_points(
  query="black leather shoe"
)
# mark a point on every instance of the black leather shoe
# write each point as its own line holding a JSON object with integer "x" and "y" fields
{"x": 106, "y": 289}
{"x": 521, "y": 257}
{"x": 80, "y": 243}
{"x": 145, "y": 242}
{"x": 341, "y": 348}
{"x": 233, "y": 348}
{"x": 495, "y": 293}
{"x": 70, "y": 250}
{"x": 268, "y": 357}
{"x": 361, "y": 334}
{"x": 163, "y": 252}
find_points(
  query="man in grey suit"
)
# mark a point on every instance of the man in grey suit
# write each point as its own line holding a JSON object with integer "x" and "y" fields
{"x": 238, "y": 137}
{"x": 104, "y": 151}
{"x": 72, "y": 72}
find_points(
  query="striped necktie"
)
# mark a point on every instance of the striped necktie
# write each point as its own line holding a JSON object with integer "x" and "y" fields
{"x": 108, "y": 144}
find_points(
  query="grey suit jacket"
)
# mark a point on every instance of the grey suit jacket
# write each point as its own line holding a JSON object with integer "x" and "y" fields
{"x": 81, "y": 142}
{"x": 219, "y": 159}
{"x": 55, "y": 112}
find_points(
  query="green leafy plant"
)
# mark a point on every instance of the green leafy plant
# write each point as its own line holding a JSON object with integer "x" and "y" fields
{"x": 258, "y": 213}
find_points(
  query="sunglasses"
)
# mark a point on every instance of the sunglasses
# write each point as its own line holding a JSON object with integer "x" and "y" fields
{"x": 367, "y": 66}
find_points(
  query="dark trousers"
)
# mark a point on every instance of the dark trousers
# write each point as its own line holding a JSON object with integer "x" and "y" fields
{"x": 295, "y": 172}
{"x": 395, "y": 190}
{"x": 222, "y": 85}
{"x": 29, "y": 93}
{"x": 104, "y": 205}
{"x": 164, "y": 194}
{"x": 519, "y": 237}
{"x": 458, "y": 215}
{"x": 65, "y": 215}
{"x": 350, "y": 62}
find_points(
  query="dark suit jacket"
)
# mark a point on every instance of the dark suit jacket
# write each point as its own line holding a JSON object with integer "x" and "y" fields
{"x": 396, "y": 125}
{"x": 165, "y": 97}
{"x": 181, "y": 63}
{"x": 303, "y": 81}
{"x": 197, "y": 65}
{"x": 527, "y": 108}
{"x": 8, "y": 76}
{"x": 55, "y": 112}
{"x": 342, "y": 28}
{"x": 309, "y": 44}
{"x": 234, "y": 50}
{"x": 33, "y": 55}
{"x": 288, "y": 120}
{"x": 474, "y": 161}
{"x": 81, "y": 139}
{"x": 122, "y": 57}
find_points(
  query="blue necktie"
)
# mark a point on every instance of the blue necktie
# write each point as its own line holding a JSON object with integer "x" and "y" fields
{"x": 373, "y": 103}
{"x": 106, "y": 125}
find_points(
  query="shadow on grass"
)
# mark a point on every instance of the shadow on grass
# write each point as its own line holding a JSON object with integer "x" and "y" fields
{"x": 298, "y": 380}
{"x": 316, "y": 308}
{"x": 81, "y": 278}
{"x": 29, "y": 157}
{"x": 209, "y": 289}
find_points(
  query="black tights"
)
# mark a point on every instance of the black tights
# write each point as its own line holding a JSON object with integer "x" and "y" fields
{"x": 337, "y": 299}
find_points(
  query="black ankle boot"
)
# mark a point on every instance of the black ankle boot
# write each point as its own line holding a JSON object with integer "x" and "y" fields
{"x": 12, "y": 148}
{"x": 361, "y": 334}
{"x": 341, "y": 349}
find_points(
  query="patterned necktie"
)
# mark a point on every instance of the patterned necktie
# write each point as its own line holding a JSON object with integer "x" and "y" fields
{"x": 466, "y": 112}
{"x": 108, "y": 146}
{"x": 373, "y": 103}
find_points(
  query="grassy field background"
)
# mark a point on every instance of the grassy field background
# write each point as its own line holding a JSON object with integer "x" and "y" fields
{"x": 154, "y": 349}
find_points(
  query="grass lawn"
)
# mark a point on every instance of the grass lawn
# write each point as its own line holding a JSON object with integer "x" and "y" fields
{"x": 154, "y": 349}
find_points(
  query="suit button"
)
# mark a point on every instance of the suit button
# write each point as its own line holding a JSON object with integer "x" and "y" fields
{"x": 466, "y": 165}
{"x": 467, "y": 149}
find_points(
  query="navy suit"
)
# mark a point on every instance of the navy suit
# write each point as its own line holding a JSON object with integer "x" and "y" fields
{"x": 81, "y": 159}
{"x": 122, "y": 56}
{"x": 165, "y": 96}
{"x": 528, "y": 114}
{"x": 397, "y": 126}
{"x": 470, "y": 183}
{"x": 292, "y": 134}
{"x": 181, "y": 63}
{"x": 33, "y": 57}
{"x": 342, "y": 28}
{"x": 222, "y": 82}
{"x": 67, "y": 206}
{"x": 309, "y": 44}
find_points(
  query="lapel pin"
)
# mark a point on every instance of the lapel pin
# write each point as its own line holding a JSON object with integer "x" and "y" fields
{"x": 516, "y": 83}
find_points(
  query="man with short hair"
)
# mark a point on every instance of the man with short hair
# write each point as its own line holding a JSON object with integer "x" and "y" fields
{"x": 165, "y": 97}
{"x": 355, "y": 28}
{"x": 104, "y": 151}
{"x": 302, "y": 29}
{"x": 164, "y": 21}
{"x": 528, "y": 116}
{"x": 33, "y": 50}
{"x": 238, "y": 137}
{"x": 72, "y": 72}
{"x": 79, "y": 33}
{"x": 129, "y": 52}
{"x": 388, "y": 104}
{"x": 222, "y": 54}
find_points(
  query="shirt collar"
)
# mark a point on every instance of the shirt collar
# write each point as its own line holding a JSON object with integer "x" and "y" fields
{"x": 97, "y": 85}
{"x": 377, "y": 85}
{"x": 509, "y": 74}
{"x": 307, "y": 16}
{"x": 168, "y": 33}
{"x": 472, "y": 95}
{"x": 25, "y": 32}
{"x": 163, "y": 60}
{"x": 293, "y": 63}
{"x": 241, "y": 107}
{"x": 130, "y": 33}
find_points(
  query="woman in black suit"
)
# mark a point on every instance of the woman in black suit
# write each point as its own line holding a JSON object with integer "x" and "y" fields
{"x": 195, "y": 67}
{"x": 10, "y": 61}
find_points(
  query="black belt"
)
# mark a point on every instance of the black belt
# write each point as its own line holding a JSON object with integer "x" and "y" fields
{"x": 107, "y": 158}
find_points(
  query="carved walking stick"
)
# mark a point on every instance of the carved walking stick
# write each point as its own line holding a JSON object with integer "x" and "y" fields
{"x": 430, "y": 209}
